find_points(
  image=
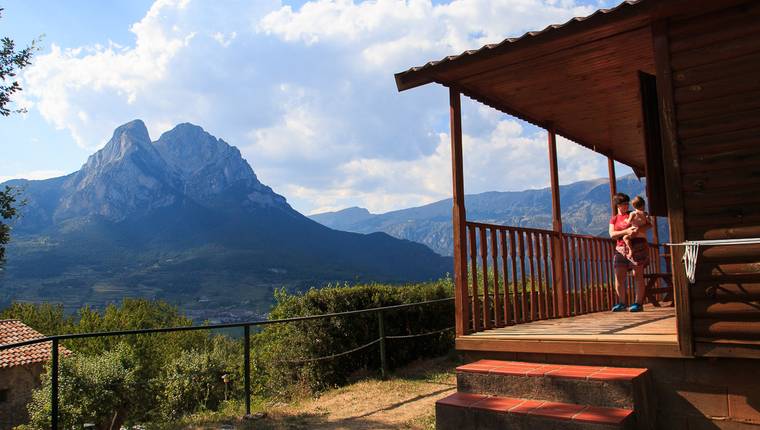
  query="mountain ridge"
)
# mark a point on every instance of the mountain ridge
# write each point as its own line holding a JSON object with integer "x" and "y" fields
{"x": 182, "y": 217}
{"x": 585, "y": 209}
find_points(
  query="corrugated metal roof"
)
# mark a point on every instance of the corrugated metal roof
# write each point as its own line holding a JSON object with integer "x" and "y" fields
{"x": 506, "y": 43}
{"x": 12, "y": 331}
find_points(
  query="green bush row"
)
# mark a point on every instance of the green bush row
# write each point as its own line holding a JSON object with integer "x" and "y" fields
{"x": 282, "y": 351}
{"x": 159, "y": 378}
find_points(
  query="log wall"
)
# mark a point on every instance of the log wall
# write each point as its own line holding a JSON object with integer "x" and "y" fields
{"x": 714, "y": 64}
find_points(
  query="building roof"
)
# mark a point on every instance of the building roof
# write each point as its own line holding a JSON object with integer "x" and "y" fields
{"x": 580, "y": 79}
{"x": 406, "y": 79}
{"x": 12, "y": 331}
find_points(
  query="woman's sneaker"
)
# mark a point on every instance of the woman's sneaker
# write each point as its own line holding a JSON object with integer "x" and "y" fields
{"x": 620, "y": 307}
{"x": 635, "y": 308}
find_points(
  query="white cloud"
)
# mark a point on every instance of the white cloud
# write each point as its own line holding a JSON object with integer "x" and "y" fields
{"x": 506, "y": 158}
{"x": 224, "y": 39}
{"x": 391, "y": 31}
{"x": 62, "y": 80}
{"x": 308, "y": 93}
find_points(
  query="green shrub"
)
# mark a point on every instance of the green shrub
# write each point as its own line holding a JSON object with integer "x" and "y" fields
{"x": 100, "y": 389}
{"x": 162, "y": 377}
{"x": 46, "y": 318}
{"x": 145, "y": 357}
{"x": 281, "y": 350}
{"x": 195, "y": 381}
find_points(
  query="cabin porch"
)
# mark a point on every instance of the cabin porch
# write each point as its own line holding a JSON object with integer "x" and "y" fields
{"x": 645, "y": 84}
{"x": 536, "y": 291}
{"x": 651, "y": 333}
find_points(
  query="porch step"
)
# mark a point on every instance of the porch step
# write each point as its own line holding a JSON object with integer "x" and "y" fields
{"x": 461, "y": 411}
{"x": 613, "y": 387}
{"x": 618, "y": 388}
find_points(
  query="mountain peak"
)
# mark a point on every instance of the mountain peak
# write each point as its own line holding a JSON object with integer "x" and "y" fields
{"x": 135, "y": 128}
{"x": 189, "y": 149}
{"x": 186, "y": 130}
{"x": 127, "y": 139}
{"x": 210, "y": 168}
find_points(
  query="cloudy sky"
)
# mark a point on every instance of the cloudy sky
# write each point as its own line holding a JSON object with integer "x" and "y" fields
{"x": 304, "y": 89}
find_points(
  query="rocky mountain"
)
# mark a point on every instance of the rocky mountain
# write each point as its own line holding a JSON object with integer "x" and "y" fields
{"x": 585, "y": 209}
{"x": 186, "y": 219}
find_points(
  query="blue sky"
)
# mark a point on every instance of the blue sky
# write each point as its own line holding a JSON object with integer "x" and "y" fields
{"x": 304, "y": 89}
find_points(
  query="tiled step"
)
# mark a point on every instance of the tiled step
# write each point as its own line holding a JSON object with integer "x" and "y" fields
{"x": 610, "y": 387}
{"x": 588, "y": 385}
{"x": 462, "y": 411}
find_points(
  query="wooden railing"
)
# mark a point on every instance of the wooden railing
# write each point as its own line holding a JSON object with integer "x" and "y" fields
{"x": 514, "y": 275}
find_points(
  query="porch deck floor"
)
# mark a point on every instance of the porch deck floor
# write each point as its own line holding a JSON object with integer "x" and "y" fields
{"x": 652, "y": 331}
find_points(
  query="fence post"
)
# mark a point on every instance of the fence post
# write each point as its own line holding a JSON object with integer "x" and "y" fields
{"x": 54, "y": 384}
{"x": 247, "y": 369}
{"x": 381, "y": 329}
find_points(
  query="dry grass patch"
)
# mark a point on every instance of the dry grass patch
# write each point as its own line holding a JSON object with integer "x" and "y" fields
{"x": 404, "y": 401}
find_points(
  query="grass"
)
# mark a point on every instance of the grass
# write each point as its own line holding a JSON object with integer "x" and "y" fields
{"x": 406, "y": 400}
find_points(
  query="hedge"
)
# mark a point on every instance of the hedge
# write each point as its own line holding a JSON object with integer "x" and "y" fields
{"x": 281, "y": 351}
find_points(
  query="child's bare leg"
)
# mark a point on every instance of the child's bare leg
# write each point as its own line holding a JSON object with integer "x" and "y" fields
{"x": 627, "y": 240}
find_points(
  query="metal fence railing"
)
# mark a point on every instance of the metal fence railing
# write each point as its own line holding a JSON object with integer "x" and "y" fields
{"x": 56, "y": 339}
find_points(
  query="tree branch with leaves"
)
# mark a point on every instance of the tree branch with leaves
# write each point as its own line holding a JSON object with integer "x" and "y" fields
{"x": 11, "y": 62}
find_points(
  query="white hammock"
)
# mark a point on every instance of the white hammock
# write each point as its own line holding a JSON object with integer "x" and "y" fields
{"x": 692, "y": 251}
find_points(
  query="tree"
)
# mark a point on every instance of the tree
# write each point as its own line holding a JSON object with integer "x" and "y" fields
{"x": 8, "y": 211}
{"x": 11, "y": 62}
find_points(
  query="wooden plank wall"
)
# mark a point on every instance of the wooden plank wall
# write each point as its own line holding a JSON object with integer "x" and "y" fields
{"x": 715, "y": 65}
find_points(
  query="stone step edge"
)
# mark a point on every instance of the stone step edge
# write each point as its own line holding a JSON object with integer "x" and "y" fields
{"x": 538, "y": 408}
{"x": 520, "y": 368}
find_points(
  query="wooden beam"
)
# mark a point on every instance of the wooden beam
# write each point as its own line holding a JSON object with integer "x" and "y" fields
{"x": 571, "y": 347}
{"x": 672, "y": 166}
{"x": 613, "y": 183}
{"x": 554, "y": 177}
{"x": 557, "y": 248}
{"x": 715, "y": 349}
{"x": 655, "y": 233}
{"x": 498, "y": 105}
{"x": 461, "y": 296}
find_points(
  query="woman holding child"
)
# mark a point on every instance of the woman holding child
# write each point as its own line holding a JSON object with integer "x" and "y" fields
{"x": 631, "y": 250}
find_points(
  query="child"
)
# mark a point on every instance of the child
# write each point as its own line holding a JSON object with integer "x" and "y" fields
{"x": 636, "y": 218}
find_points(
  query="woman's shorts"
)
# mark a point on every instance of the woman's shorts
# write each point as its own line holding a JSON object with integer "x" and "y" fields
{"x": 639, "y": 257}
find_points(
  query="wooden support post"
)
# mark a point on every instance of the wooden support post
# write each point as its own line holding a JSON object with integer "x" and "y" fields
{"x": 656, "y": 240}
{"x": 613, "y": 183}
{"x": 557, "y": 248}
{"x": 461, "y": 296}
{"x": 247, "y": 369}
{"x": 381, "y": 332}
{"x": 673, "y": 182}
{"x": 54, "y": 384}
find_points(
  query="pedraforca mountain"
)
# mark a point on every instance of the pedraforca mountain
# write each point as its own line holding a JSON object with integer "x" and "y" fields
{"x": 133, "y": 176}
{"x": 126, "y": 177}
{"x": 183, "y": 213}
{"x": 209, "y": 168}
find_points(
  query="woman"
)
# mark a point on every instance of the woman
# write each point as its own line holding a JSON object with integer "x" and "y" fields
{"x": 620, "y": 227}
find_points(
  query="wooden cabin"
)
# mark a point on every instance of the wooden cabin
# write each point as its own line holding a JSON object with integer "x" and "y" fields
{"x": 670, "y": 88}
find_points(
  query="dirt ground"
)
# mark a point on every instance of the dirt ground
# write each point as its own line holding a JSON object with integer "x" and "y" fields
{"x": 405, "y": 401}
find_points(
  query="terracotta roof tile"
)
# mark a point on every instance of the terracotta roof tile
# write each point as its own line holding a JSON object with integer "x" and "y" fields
{"x": 12, "y": 331}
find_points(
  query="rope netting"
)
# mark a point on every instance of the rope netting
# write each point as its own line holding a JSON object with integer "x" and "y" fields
{"x": 359, "y": 348}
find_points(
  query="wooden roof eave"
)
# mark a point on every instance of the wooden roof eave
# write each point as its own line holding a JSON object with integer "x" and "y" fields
{"x": 552, "y": 39}
{"x": 527, "y": 118}
{"x": 628, "y": 15}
